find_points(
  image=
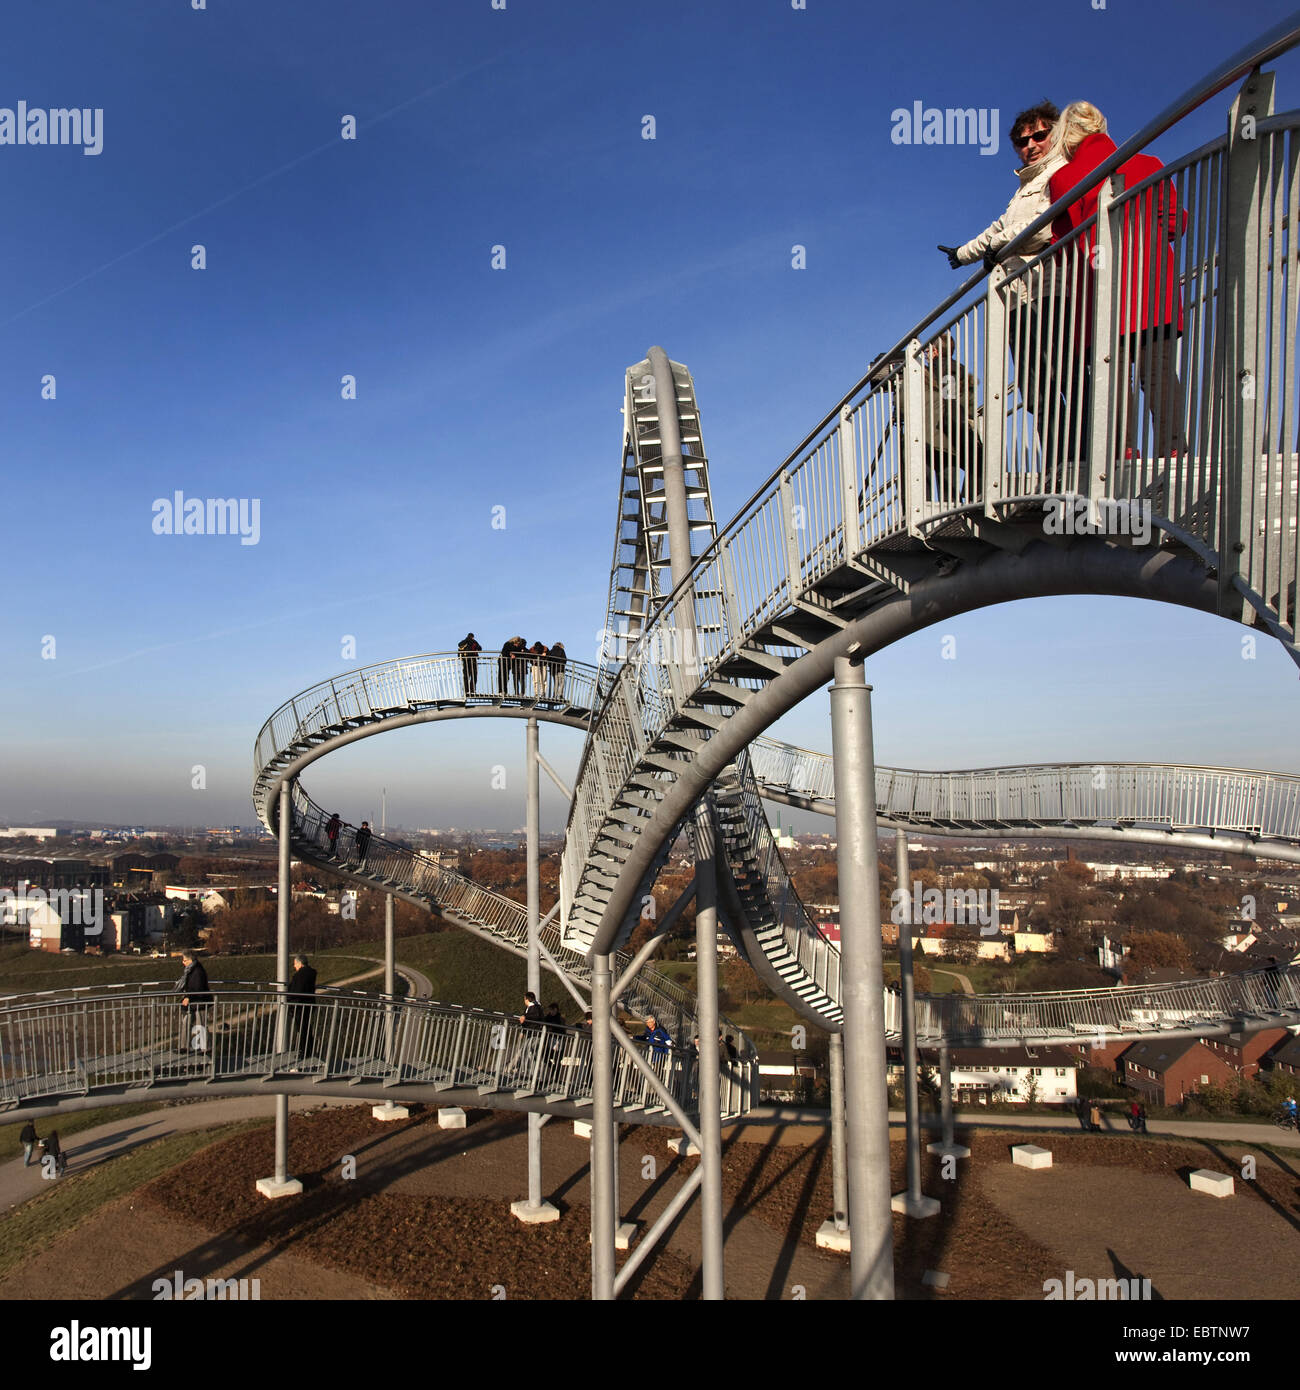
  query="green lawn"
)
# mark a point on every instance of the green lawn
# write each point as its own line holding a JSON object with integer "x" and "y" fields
{"x": 71, "y": 1200}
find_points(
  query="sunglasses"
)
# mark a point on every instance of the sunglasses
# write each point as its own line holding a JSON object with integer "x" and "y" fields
{"x": 1022, "y": 140}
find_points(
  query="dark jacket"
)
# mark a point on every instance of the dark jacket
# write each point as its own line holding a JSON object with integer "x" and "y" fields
{"x": 194, "y": 983}
{"x": 28, "y": 1136}
{"x": 362, "y": 840}
{"x": 302, "y": 987}
{"x": 533, "y": 1016}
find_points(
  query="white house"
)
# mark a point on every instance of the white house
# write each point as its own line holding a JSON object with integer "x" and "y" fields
{"x": 981, "y": 1074}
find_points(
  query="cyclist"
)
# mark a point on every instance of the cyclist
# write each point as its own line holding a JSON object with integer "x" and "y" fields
{"x": 1289, "y": 1106}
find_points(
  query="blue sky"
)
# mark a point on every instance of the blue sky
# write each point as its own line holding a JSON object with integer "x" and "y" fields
{"x": 479, "y": 387}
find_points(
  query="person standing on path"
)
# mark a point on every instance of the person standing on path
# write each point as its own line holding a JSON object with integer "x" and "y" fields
{"x": 53, "y": 1150}
{"x": 362, "y": 841}
{"x": 1094, "y": 1118}
{"x": 29, "y": 1140}
{"x": 332, "y": 828}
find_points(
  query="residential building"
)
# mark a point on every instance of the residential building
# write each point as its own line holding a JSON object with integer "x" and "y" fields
{"x": 981, "y": 1075}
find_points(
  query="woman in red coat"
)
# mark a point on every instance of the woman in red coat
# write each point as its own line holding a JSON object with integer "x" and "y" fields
{"x": 1150, "y": 304}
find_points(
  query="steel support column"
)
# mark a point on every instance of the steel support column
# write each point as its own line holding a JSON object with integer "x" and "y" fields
{"x": 280, "y": 1184}
{"x": 710, "y": 1079}
{"x": 834, "y": 1234}
{"x": 602, "y": 1134}
{"x": 862, "y": 985}
{"x": 912, "y": 1201}
{"x": 945, "y": 1094}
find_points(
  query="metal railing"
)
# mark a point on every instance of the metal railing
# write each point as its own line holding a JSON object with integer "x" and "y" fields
{"x": 77, "y": 1042}
{"x": 897, "y": 458}
{"x": 393, "y": 867}
{"x": 1173, "y": 797}
{"x": 371, "y": 693}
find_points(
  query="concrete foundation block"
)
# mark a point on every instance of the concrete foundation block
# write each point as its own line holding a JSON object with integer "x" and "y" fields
{"x": 934, "y": 1279}
{"x": 1031, "y": 1156}
{"x": 451, "y": 1117}
{"x": 919, "y": 1207}
{"x": 684, "y": 1147}
{"x": 830, "y": 1237}
{"x": 388, "y": 1111}
{"x": 948, "y": 1150}
{"x": 624, "y": 1235}
{"x": 1208, "y": 1181}
{"x": 268, "y": 1187}
{"x": 582, "y": 1129}
{"x": 534, "y": 1216}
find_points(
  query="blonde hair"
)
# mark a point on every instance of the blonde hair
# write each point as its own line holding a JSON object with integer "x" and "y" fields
{"x": 1079, "y": 120}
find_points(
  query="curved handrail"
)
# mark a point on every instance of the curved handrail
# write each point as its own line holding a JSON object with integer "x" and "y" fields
{"x": 1179, "y": 796}
{"x": 118, "y": 1042}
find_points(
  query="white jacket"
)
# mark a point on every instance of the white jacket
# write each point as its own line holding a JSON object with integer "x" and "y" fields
{"x": 1029, "y": 201}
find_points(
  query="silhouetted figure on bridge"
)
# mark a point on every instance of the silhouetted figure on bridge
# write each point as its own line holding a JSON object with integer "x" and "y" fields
{"x": 362, "y": 842}
{"x": 332, "y": 828}
{"x": 539, "y": 654}
{"x": 510, "y": 666}
{"x": 195, "y": 998}
{"x": 302, "y": 1001}
{"x": 557, "y": 660}
{"x": 469, "y": 650}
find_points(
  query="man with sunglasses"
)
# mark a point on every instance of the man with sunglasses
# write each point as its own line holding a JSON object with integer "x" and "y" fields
{"x": 1034, "y": 334}
{"x": 1030, "y": 132}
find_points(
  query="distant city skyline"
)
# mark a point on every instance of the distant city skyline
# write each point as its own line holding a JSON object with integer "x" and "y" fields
{"x": 382, "y": 340}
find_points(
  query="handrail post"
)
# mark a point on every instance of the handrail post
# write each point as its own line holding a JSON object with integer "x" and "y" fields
{"x": 1239, "y": 386}
{"x": 996, "y": 389}
{"x": 1109, "y": 364}
{"x": 913, "y": 460}
{"x": 849, "y": 505}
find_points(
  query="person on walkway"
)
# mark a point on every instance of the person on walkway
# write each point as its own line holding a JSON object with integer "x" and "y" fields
{"x": 469, "y": 650}
{"x": 1142, "y": 1118}
{"x": 1293, "y": 1112}
{"x": 362, "y": 842}
{"x": 302, "y": 1002}
{"x": 519, "y": 666}
{"x": 1094, "y": 1117}
{"x": 29, "y": 1140}
{"x": 953, "y": 441}
{"x": 195, "y": 998}
{"x": 1081, "y": 1110}
{"x": 508, "y": 667}
{"x": 1134, "y": 1110}
{"x": 1034, "y": 331}
{"x": 332, "y": 828}
{"x": 658, "y": 1037}
{"x": 1150, "y": 307}
{"x": 52, "y": 1149}
{"x": 557, "y": 661}
{"x": 539, "y": 654}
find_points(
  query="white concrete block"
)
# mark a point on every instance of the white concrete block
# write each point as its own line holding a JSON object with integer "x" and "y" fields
{"x": 582, "y": 1129}
{"x": 451, "y": 1117}
{"x": 389, "y": 1111}
{"x": 948, "y": 1150}
{"x": 934, "y": 1279}
{"x": 268, "y": 1187}
{"x": 919, "y": 1207}
{"x": 1216, "y": 1184}
{"x": 1031, "y": 1156}
{"x": 534, "y": 1216}
{"x": 624, "y": 1233}
{"x": 830, "y": 1237}
{"x": 684, "y": 1147}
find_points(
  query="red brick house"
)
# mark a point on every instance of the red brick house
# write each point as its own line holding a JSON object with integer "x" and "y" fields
{"x": 1167, "y": 1069}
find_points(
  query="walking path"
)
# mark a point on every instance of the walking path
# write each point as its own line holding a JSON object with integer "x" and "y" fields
{"x": 1112, "y": 1122}
{"x": 963, "y": 980}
